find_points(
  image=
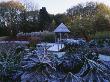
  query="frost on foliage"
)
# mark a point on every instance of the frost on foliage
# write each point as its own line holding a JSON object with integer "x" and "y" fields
{"x": 72, "y": 78}
{"x": 38, "y": 77}
{"x": 32, "y": 77}
{"x": 10, "y": 60}
{"x": 105, "y": 63}
{"x": 72, "y": 45}
{"x": 80, "y": 47}
{"x": 94, "y": 72}
{"x": 40, "y": 66}
{"x": 32, "y": 59}
{"x": 70, "y": 63}
{"x": 72, "y": 67}
{"x": 73, "y": 42}
{"x": 92, "y": 43}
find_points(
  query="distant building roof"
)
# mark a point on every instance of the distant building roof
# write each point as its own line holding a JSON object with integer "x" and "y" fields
{"x": 61, "y": 28}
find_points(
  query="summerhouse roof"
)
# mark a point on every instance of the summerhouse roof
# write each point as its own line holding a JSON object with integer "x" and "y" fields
{"x": 62, "y": 28}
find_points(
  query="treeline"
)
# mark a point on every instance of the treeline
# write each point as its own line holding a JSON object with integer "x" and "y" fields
{"x": 84, "y": 20}
{"x": 87, "y": 19}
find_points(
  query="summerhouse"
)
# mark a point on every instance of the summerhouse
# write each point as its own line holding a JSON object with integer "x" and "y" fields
{"x": 61, "y": 32}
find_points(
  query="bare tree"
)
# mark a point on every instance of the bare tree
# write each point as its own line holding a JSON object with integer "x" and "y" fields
{"x": 30, "y": 5}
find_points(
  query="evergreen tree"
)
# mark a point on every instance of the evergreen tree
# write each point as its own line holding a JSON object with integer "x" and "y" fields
{"x": 44, "y": 19}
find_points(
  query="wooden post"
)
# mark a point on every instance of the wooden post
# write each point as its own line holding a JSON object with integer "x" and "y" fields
{"x": 60, "y": 36}
{"x": 55, "y": 38}
{"x": 67, "y": 36}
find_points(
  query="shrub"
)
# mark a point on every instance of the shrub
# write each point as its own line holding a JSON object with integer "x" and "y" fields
{"x": 105, "y": 51}
{"x": 48, "y": 37}
{"x": 102, "y": 35}
{"x": 10, "y": 59}
{"x": 33, "y": 41}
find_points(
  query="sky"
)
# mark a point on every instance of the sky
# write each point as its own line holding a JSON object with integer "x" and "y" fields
{"x": 60, "y": 6}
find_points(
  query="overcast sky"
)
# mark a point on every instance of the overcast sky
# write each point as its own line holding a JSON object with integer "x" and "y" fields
{"x": 60, "y": 6}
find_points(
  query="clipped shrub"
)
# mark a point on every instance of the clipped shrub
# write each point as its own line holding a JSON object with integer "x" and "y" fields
{"x": 48, "y": 37}
{"x": 102, "y": 35}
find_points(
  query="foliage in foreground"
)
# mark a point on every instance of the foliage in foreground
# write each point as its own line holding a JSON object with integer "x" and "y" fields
{"x": 77, "y": 65}
{"x": 10, "y": 59}
{"x": 81, "y": 65}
